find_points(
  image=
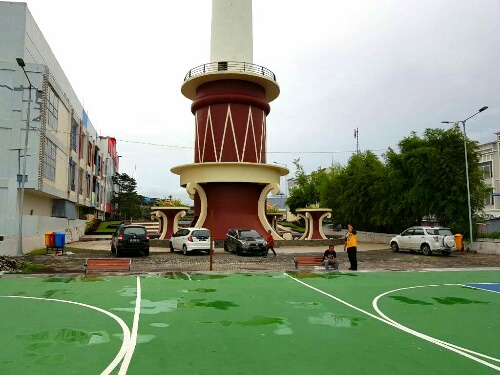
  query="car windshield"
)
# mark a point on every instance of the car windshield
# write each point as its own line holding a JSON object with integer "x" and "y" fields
{"x": 249, "y": 234}
{"x": 134, "y": 230}
{"x": 201, "y": 233}
{"x": 439, "y": 232}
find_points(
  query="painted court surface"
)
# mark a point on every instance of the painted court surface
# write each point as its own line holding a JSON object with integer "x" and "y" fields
{"x": 306, "y": 323}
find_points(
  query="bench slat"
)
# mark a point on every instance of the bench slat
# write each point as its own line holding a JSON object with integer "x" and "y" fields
{"x": 312, "y": 260}
{"x": 98, "y": 264}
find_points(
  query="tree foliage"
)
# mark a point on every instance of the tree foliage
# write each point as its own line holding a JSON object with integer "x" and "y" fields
{"x": 425, "y": 178}
{"x": 127, "y": 199}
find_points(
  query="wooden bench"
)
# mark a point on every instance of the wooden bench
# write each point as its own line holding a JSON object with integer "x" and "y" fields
{"x": 107, "y": 264}
{"x": 308, "y": 261}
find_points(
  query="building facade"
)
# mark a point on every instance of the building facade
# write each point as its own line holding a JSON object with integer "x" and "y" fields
{"x": 489, "y": 162}
{"x": 68, "y": 165}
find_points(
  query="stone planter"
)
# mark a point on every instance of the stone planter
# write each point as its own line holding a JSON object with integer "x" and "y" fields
{"x": 314, "y": 222}
{"x": 272, "y": 218}
{"x": 169, "y": 219}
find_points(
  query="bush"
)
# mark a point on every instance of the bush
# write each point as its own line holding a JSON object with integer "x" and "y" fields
{"x": 92, "y": 226}
{"x": 492, "y": 235}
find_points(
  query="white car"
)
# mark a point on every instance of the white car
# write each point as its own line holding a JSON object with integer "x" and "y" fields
{"x": 189, "y": 239}
{"x": 425, "y": 239}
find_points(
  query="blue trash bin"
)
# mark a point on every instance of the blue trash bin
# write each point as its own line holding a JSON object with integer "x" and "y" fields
{"x": 60, "y": 239}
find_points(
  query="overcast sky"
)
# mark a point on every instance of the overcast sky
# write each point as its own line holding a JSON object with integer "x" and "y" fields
{"x": 387, "y": 67}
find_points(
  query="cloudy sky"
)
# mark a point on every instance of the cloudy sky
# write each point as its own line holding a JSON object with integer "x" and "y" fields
{"x": 386, "y": 67}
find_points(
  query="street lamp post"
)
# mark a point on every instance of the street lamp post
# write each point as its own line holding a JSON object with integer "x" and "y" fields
{"x": 21, "y": 63}
{"x": 467, "y": 168}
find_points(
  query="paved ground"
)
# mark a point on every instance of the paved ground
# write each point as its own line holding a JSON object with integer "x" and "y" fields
{"x": 370, "y": 257}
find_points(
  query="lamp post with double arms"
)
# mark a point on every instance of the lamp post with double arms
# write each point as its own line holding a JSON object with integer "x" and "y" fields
{"x": 467, "y": 168}
{"x": 21, "y": 63}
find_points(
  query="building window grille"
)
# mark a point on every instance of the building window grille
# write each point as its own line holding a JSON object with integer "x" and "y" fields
{"x": 50, "y": 160}
{"x": 52, "y": 109}
{"x": 72, "y": 175}
{"x": 74, "y": 136}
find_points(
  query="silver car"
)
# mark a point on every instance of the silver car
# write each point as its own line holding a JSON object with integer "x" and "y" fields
{"x": 190, "y": 239}
{"x": 425, "y": 239}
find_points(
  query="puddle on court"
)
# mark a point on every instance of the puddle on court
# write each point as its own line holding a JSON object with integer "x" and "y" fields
{"x": 128, "y": 291}
{"x": 160, "y": 325}
{"x": 282, "y": 327}
{"x": 59, "y": 279}
{"x": 319, "y": 275}
{"x": 219, "y": 305}
{"x": 306, "y": 305}
{"x": 410, "y": 301}
{"x": 333, "y": 320}
{"x": 150, "y": 307}
{"x": 199, "y": 290}
{"x": 45, "y": 339}
{"x": 195, "y": 277}
{"x": 50, "y": 293}
{"x": 456, "y": 301}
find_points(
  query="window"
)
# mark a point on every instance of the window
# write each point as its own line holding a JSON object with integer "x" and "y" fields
{"x": 72, "y": 174}
{"x": 74, "y": 135}
{"x": 486, "y": 167}
{"x": 418, "y": 232}
{"x": 408, "y": 232}
{"x": 50, "y": 160}
{"x": 52, "y": 109}
{"x": 89, "y": 154}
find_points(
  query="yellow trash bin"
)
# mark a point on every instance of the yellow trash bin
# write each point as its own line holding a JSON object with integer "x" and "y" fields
{"x": 459, "y": 243}
{"x": 50, "y": 239}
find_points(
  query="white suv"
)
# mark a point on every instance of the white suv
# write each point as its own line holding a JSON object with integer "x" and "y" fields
{"x": 425, "y": 239}
{"x": 189, "y": 239}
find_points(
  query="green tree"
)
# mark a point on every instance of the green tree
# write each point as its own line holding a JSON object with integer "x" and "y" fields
{"x": 127, "y": 199}
{"x": 427, "y": 179}
{"x": 307, "y": 187}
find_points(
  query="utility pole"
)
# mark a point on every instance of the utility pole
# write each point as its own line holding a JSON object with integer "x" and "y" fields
{"x": 21, "y": 63}
{"x": 356, "y": 136}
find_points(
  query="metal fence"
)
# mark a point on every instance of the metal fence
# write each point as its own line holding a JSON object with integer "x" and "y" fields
{"x": 233, "y": 66}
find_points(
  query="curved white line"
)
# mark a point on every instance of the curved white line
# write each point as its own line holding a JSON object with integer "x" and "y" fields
{"x": 135, "y": 328}
{"x": 126, "y": 331}
{"x": 416, "y": 333}
{"x": 401, "y": 327}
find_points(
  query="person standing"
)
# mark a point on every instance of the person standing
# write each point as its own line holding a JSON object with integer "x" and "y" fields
{"x": 270, "y": 243}
{"x": 351, "y": 245}
{"x": 330, "y": 258}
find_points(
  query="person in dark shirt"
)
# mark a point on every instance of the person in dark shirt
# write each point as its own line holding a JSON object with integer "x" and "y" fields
{"x": 330, "y": 258}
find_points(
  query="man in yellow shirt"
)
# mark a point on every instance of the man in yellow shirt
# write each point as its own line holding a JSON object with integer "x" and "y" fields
{"x": 351, "y": 244}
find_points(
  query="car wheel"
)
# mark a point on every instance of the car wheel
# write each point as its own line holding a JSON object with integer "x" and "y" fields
{"x": 118, "y": 252}
{"x": 237, "y": 251}
{"x": 449, "y": 241}
{"x": 225, "y": 246}
{"x": 171, "y": 247}
{"x": 394, "y": 247}
{"x": 445, "y": 253}
{"x": 184, "y": 250}
{"x": 426, "y": 249}
{"x": 146, "y": 252}
{"x": 208, "y": 252}
{"x": 113, "y": 250}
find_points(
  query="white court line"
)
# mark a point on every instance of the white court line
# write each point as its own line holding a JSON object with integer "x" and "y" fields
{"x": 135, "y": 328}
{"x": 401, "y": 327}
{"x": 478, "y": 288}
{"x": 375, "y": 306}
{"x": 126, "y": 331}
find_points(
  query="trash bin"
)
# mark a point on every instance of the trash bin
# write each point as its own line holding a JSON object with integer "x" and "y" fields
{"x": 50, "y": 239}
{"x": 459, "y": 243}
{"x": 60, "y": 239}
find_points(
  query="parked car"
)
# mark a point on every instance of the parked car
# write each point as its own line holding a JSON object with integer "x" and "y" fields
{"x": 425, "y": 239}
{"x": 130, "y": 238}
{"x": 190, "y": 239}
{"x": 245, "y": 241}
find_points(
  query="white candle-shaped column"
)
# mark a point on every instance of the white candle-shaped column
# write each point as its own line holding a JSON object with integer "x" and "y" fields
{"x": 231, "y": 36}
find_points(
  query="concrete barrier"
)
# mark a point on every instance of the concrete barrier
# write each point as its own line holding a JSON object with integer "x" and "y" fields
{"x": 487, "y": 246}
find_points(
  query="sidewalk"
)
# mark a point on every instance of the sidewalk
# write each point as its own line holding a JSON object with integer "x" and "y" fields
{"x": 103, "y": 243}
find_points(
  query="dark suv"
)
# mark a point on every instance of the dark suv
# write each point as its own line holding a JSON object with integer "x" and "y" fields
{"x": 245, "y": 241}
{"x": 130, "y": 238}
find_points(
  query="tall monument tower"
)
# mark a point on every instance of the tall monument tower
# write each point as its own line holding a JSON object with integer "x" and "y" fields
{"x": 231, "y": 96}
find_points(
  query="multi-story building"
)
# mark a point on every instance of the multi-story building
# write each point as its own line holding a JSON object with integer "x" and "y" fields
{"x": 489, "y": 162}
{"x": 68, "y": 165}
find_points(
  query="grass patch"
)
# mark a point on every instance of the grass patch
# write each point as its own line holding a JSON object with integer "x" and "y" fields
{"x": 107, "y": 227}
{"x": 293, "y": 226}
{"x": 66, "y": 249}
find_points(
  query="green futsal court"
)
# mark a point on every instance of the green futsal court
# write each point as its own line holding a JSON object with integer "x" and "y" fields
{"x": 305, "y": 323}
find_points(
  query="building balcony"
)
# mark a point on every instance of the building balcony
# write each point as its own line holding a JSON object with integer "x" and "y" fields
{"x": 222, "y": 70}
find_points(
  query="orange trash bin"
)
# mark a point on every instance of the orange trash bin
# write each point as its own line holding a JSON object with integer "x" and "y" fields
{"x": 459, "y": 243}
{"x": 50, "y": 239}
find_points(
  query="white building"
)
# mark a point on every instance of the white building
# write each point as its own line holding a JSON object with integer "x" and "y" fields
{"x": 489, "y": 162}
{"x": 68, "y": 165}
